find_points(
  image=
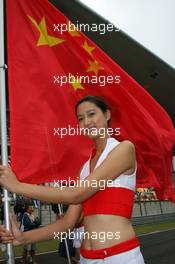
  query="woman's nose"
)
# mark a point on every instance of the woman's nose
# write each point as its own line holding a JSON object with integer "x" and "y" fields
{"x": 86, "y": 121}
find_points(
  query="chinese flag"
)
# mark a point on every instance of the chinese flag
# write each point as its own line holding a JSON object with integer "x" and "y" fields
{"x": 38, "y": 55}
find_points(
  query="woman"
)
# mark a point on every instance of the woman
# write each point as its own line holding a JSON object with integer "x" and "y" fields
{"x": 109, "y": 237}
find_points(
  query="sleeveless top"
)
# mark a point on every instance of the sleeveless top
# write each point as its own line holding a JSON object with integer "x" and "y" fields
{"x": 115, "y": 199}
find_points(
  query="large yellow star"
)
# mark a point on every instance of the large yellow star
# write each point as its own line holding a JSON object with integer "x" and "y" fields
{"x": 76, "y": 84}
{"x": 88, "y": 48}
{"x": 72, "y": 30}
{"x": 94, "y": 66}
{"x": 44, "y": 38}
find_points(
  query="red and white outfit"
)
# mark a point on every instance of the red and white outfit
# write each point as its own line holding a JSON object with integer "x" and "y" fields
{"x": 117, "y": 199}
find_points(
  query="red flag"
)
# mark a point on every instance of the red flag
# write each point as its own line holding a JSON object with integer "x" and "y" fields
{"x": 39, "y": 58}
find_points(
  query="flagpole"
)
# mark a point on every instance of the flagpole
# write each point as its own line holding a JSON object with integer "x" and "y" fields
{"x": 3, "y": 120}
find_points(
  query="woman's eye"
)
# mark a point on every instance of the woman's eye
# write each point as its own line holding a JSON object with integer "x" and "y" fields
{"x": 80, "y": 119}
{"x": 91, "y": 114}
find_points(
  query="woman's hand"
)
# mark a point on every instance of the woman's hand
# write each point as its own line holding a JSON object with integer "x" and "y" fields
{"x": 14, "y": 236}
{"x": 5, "y": 235}
{"x": 8, "y": 179}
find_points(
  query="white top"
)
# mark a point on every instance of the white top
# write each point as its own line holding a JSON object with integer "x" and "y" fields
{"x": 124, "y": 181}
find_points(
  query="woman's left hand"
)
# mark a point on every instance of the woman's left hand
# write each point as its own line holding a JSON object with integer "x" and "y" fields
{"x": 14, "y": 236}
{"x": 8, "y": 178}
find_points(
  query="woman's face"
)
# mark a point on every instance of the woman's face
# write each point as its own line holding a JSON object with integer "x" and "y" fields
{"x": 92, "y": 121}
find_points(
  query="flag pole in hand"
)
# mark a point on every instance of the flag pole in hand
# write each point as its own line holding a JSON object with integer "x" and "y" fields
{"x": 3, "y": 120}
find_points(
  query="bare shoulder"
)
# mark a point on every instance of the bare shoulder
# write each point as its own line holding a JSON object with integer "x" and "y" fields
{"x": 128, "y": 144}
{"x": 124, "y": 152}
{"x": 125, "y": 146}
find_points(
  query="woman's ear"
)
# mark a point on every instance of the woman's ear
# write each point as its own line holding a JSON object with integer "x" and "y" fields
{"x": 108, "y": 114}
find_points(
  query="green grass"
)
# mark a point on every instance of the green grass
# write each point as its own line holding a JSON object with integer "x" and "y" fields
{"x": 148, "y": 228}
{"x": 41, "y": 247}
{"x": 53, "y": 244}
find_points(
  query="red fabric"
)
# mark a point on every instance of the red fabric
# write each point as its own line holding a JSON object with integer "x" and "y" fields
{"x": 37, "y": 105}
{"x": 111, "y": 251}
{"x": 112, "y": 200}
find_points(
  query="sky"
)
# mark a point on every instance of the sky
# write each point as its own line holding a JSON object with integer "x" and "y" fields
{"x": 149, "y": 22}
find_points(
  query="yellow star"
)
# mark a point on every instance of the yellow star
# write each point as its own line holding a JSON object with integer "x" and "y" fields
{"x": 88, "y": 48}
{"x": 76, "y": 84}
{"x": 94, "y": 66}
{"x": 44, "y": 38}
{"x": 72, "y": 30}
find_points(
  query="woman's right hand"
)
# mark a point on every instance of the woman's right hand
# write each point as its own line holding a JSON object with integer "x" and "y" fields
{"x": 14, "y": 236}
{"x": 8, "y": 179}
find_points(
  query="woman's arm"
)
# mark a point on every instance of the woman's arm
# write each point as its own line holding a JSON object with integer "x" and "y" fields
{"x": 62, "y": 225}
{"x": 119, "y": 160}
{"x": 45, "y": 233}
